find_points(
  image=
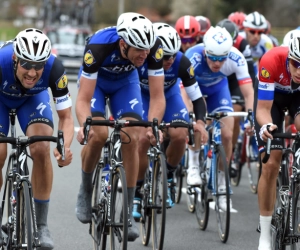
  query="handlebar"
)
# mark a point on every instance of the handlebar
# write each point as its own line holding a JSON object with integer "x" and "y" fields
{"x": 26, "y": 141}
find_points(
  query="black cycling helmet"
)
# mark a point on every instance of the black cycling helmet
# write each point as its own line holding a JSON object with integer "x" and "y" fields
{"x": 230, "y": 26}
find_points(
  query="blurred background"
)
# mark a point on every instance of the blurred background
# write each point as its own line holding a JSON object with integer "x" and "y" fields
{"x": 95, "y": 14}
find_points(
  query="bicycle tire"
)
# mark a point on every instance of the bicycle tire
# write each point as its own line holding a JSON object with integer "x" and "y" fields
{"x": 146, "y": 210}
{"x": 223, "y": 221}
{"x": 6, "y": 210}
{"x": 24, "y": 217}
{"x": 180, "y": 172}
{"x": 296, "y": 216}
{"x": 118, "y": 231}
{"x": 159, "y": 198}
{"x": 99, "y": 210}
{"x": 254, "y": 170}
{"x": 201, "y": 195}
{"x": 237, "y": 153}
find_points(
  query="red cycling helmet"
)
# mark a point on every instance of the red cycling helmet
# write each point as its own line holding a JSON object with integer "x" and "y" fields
{"x": 204, "y": 24}
{"x": 238, "y": 18}
{"x": 187, "y": 26}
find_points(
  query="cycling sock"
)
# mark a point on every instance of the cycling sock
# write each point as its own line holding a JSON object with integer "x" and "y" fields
{"x": 133, "y": 231}
{"x": 86, "y": 179}
{"x": 193, "y": 157}
{"x": 265, "y": 233}
{"x": 41, "y": 211}
{"x": 170, "y": 170}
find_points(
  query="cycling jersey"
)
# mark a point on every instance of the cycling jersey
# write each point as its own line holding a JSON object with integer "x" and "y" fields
{"x": 175, "y": 108}
{"x": 212, "y": 82}
{"x": 117, "y": 77}
{"x": 33, "y": 105}
{"x": 274, "y": 75}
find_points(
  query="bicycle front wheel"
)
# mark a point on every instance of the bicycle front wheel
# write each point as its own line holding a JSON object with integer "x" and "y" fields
{"x": 296, "y": 216}
{"x": 236, "y": 163}
{"x": 146, "y": 210}
{"x": 222, "y": 197}
{"x": 201, "y": 195}
{"x": 99, "y": 210}
{"x": 24, "y": 219}
{"x": 181, "y": 168}
{"x": 159, "y": 198}
{"x": 119, "y": 211}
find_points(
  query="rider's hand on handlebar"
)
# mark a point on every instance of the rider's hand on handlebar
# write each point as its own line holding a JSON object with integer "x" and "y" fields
{"x": 152, "y": 138}
{"x": 265, "y": 131}
{"x": 68, "y": 157}
{"x": 80, "y": 135}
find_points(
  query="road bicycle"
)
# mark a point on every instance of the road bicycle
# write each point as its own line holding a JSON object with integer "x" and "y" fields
{"x": 212, "y": 163}
{"x": 155, "y": 188}
{"x": 109, "y": 200}
{"x": 285, "y": 222}
{"x": 18, "y": 218}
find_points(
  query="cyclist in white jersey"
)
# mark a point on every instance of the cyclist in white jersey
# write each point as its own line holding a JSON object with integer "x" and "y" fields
{"x": 255, "y": 26}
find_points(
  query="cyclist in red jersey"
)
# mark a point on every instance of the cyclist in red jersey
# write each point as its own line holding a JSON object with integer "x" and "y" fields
{"x": 238, "y": 18}
{"x": 278, "y": 87}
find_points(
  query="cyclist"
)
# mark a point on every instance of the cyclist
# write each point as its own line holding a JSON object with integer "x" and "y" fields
{"x": 176, "y": 66}
{"x": 238, "y": 18}
{"x": 255, "y": 25}
{"x": 213, "y": 61}
{"x": 242, "y": 45}
{"x": 277, "y": 88}
{"x": 109, "y": 67}
{"x": 204, "y": 26}
{"x": 268, "y": 33}
{"x": 27, "y": 70}
{"x": 188, "y": 29}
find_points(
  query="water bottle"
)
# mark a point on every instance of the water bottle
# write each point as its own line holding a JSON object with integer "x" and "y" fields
{"x": 106, "y": 183}
{"x": 208, "y": 163}
{"x": 105, "y": 172}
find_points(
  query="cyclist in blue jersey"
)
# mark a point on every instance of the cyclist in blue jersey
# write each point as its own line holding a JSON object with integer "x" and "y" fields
{"x": 27, "y": 70}
{"x": 213, "y": 61}
{"x": 111, "y": 57}
{"x": 176, "y": 66}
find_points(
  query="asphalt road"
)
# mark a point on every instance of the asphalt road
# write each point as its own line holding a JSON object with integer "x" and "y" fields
{"x": 182, "y": 231}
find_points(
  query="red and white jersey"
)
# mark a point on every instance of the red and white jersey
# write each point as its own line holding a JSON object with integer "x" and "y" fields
{"x": 274, "y": 75}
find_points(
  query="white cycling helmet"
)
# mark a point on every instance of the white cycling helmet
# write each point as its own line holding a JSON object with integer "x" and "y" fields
{"x": 32, "y": 45}
{"x": 217, "y": 41}
{"x": 287, "y": 37}
{"x": 256, "y": 21}
{"x": 136, "y": 30}
{"x": 169, "y": 37}
{"x": 294, "y": 45}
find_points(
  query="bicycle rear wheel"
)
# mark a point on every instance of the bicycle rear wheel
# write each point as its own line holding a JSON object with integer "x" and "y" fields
{"x": 201, "y": 195}
{"x": 180, "y": 172}
{"x": 296, "y": 216}
{"x": 119, "y": 211}
{"x": 24, "y": 218}
{"x": 159, "y": 198}
{"x": 236, "y": 162}
{"x": 99, "y": 210}
{"x": 146, "y": 210}
{"x": 222, "y": 193}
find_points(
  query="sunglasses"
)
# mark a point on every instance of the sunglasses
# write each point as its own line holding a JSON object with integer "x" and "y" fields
{"x": 216, "y": 58}
{"x": 188, "y": 40}
{"x": 168, "y": 57}
{"x": 295, "y": 63}
{"x": 253, "y": 32}
{"x": 29, "y": 65}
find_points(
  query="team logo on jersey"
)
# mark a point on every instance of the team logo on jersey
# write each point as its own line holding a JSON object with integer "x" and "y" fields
{"x": 196, "y": 60}
{"x": 219, "y": 38}
{"x": 159, "y": 54}
{"x": 191, "y": 71}
{"x": 62, "y": 82}
{"x": 264, "y": 73}
{"x": 268, "y": 46}
{"x": 89, "y": 58}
